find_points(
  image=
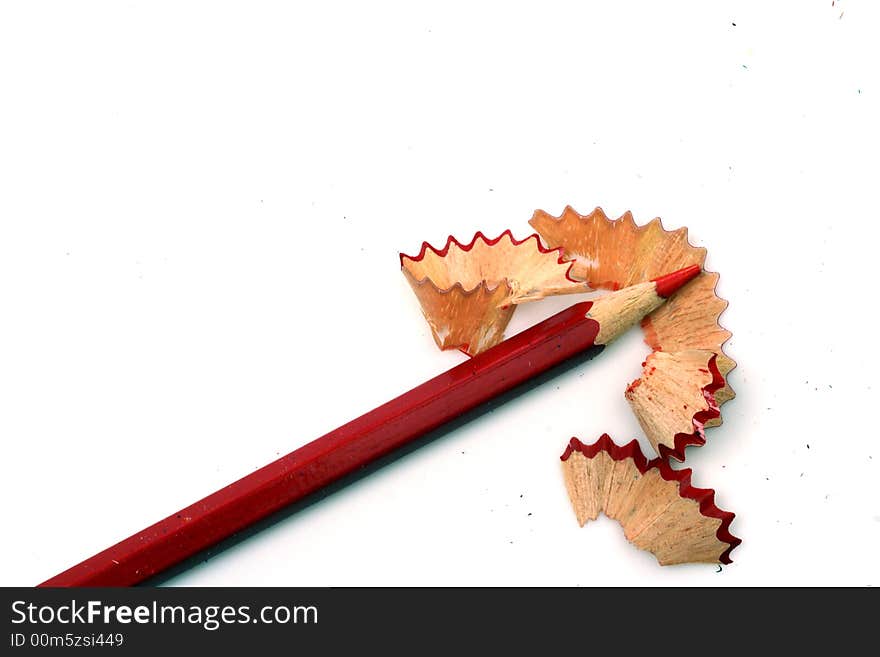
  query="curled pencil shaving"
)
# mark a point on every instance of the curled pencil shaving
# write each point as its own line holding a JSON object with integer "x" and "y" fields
{"x": 689, "y": 320}
{"x": 675, "y": 398}
{"x": 468, "y": 292}
{"x": 658, "y": 508}
{"x": 614, "y": 253}
{"x": 610, "y": 254}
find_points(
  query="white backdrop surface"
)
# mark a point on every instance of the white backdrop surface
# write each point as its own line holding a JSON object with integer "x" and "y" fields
{"x": 201, "y": 209}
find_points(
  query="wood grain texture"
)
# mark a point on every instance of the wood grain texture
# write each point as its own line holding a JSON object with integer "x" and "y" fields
{"x": 623, "y": 309}
{"x": 656, "y": 506}
{"x": 468, "y": 292}
{"x": 614, "y": 253}
{"x": 675, "y": 398}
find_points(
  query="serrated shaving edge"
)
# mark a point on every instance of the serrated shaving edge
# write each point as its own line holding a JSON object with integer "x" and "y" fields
{"x": 468, "y": 292}
{"x": 612, "y": 253}
{"x": 705, "y": 498}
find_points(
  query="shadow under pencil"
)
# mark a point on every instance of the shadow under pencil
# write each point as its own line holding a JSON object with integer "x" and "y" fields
{"x": 449, "y": 427}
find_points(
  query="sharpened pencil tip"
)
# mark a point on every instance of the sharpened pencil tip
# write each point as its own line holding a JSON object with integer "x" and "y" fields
{"x": 669, "y": 283}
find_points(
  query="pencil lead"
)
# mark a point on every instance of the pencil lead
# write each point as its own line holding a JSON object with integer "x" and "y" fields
{"x": 669, "y": 283}
{"x": 618, "y": 311}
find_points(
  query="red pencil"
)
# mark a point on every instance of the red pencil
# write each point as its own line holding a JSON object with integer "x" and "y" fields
{"x": 586, "y": 325}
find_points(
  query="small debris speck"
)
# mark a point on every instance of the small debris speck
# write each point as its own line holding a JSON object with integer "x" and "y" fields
{"x": 719, "y": 569}
{"x": 808, "y": 445}
{"x": 745, "y": 67}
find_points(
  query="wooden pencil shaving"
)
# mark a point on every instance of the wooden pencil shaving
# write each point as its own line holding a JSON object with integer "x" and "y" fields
{"x": 675, "y": 398}
{"x": 614, "y": 253}
{"x": 610, "y": 254}
{"x": 689, "y": 320}
{"x": 657, "y": 507}
{"x": 468, "y": 292}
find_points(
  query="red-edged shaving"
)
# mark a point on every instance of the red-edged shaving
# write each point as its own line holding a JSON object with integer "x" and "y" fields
{"x": 674, "y": 399}
{"x": 468, "y": 292}
{"x": 614, "y": 253}
{"x": 658, "y": 508}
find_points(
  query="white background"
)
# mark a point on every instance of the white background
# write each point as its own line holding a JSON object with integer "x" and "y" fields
{"x": 201, "y": 208}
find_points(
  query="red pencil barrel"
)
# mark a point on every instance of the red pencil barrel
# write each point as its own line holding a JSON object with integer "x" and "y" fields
{"x": 338, "y": 453}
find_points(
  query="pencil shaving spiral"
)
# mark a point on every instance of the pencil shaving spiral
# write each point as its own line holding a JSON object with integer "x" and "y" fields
{"x": 613, "y": 253}
{"x": 656, "y": 506}
{"x": 468, "y": 292}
